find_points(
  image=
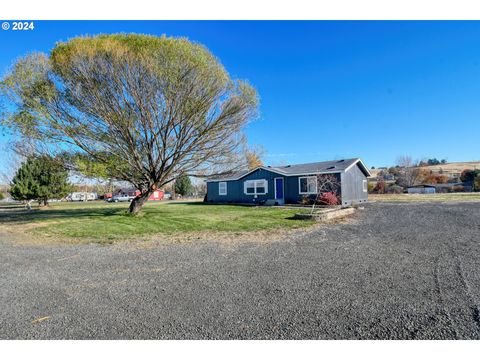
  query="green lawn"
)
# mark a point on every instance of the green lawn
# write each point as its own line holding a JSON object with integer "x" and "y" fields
{"x": 106, "y": 221}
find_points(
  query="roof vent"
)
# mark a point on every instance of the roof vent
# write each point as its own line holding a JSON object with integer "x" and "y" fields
{"x": 339, "y": 161}
{"x": 288, "y": 166}
{"x": 330, "y": 167}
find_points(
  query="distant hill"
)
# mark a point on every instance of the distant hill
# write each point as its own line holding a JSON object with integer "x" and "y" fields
{"x": 451, "y": 169}
{"x": 454, "y": 167}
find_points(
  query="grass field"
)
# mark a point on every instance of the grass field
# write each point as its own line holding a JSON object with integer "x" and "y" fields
{"x": 449, "y": 197}
{"x": 105, "y": 221}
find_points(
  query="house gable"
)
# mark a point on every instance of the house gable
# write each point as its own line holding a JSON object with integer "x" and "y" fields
{"x": 235, "y": 188}
{"x": 241, "y": 174}
{"x": 359, "y": 163}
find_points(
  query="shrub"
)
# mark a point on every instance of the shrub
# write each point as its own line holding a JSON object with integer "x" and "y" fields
{"x": 371, "y": 186}
{"x": 379, "y": 188}
{"x": 305, "y": 200}
{"x": 476, "y": 183}
{"x": 394, "y": 189}
{"x": 2, "y": 196}
{"x": 468, "y": 175}
{"x": 328, "y": 198}
{"x": 434, "y": 179}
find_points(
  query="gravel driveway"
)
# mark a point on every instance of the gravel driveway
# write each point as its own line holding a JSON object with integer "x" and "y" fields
{"x": 396, "y": 271}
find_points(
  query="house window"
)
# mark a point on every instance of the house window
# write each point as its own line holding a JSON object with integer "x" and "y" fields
{"x": 222, "y": 188}
{"x": 307, "y": 185}
{"x": 255, "y": 187}
{"x": 365, "y": 186}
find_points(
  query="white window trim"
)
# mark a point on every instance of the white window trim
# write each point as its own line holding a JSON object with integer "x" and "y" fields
{"x": 365, "y": 185}
{"x": 219, "y": 192}
{"x": 265, "y": 185}
{"x": 300, "y": 187}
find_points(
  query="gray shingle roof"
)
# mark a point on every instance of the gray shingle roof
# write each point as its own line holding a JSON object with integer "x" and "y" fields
{"x": 231, "y": 176}
{"x": 316, "y": 167}
{"x": 308, "y": 168}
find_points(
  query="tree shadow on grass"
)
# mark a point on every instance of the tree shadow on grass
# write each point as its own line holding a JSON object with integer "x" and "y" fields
{"x": 212, "y": 204}
{"x": 20, "y": 216}
{"x": 176, "y": 202}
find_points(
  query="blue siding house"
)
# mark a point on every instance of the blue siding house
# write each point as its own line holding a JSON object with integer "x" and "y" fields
{"x": 289, "y": 184}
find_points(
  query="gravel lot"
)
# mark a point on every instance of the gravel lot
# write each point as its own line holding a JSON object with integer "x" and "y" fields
{"x": 396, "y": 271}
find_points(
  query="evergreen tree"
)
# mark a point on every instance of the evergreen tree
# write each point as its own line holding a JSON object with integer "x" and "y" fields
{"x": 24, "y": 186}
{"x": 183, "y": 185}
{"x": 40, "y": 178}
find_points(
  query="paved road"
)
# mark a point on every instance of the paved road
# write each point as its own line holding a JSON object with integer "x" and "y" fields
{"x": 399, "y": 271}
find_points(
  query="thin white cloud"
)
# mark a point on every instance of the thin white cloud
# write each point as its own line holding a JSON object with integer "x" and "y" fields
{"x": 276, "y": 155}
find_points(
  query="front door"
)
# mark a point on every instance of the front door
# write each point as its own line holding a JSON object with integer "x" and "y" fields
{"x": 279, "y": 189}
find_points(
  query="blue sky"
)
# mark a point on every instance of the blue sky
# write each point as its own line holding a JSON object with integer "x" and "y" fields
{"x": 330, "y": 89}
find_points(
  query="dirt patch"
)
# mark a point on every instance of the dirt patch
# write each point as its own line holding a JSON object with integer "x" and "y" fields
{"x": 20, "y": 234}
{"x": 27, "y": 226}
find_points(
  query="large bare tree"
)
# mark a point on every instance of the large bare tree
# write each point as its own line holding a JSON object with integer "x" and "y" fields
{"x": 408, "y": 171}
{"x": 136, "y": 108}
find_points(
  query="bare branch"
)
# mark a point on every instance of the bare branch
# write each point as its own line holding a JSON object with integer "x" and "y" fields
{"x": 147, "y": 113}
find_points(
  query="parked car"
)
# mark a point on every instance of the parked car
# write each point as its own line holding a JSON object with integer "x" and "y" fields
{"x": 121, "y": 198}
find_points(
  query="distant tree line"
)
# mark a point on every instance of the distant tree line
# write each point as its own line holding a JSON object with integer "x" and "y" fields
{"x": 431, "y": 162}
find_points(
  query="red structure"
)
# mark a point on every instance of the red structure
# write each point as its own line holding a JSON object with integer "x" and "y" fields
{"x": 156, "y": 195}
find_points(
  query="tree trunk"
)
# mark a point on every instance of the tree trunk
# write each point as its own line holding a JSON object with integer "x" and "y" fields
{"x": 138, "y": 202}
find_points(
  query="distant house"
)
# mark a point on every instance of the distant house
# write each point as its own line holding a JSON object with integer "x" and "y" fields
{"x": 439, "y": 188}
{"x": 422, "y": 189}
{"x": 289, "y": 184}
{"x": 82, "y": 196}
